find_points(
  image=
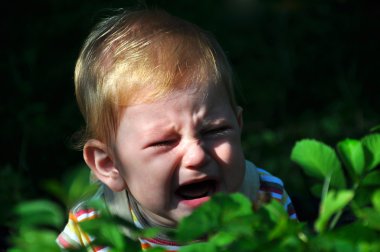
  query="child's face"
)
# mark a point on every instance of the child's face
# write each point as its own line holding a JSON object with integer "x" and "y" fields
{"x": 175, "y": 153}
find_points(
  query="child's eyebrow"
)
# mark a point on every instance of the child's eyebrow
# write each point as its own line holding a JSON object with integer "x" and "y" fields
{"x": 158, "y": 129}
{"x": 213, "y": 121}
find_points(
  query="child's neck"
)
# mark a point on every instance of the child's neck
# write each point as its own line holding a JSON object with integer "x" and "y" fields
{"x": 145, "y": 220}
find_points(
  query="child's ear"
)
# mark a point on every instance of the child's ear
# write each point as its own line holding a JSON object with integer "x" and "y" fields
{"x": 102, "y": 163}
{"x": 239, "y": 116}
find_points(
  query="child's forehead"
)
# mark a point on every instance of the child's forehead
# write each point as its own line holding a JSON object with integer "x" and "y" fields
{"x": 205, "y": 104}
{"x": 201, "y": 91}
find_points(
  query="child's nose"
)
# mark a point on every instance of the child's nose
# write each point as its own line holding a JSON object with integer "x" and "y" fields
{"x": 194, "y": 155}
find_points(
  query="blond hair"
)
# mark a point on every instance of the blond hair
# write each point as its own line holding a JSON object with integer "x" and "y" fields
{"x": 145, "y": 50}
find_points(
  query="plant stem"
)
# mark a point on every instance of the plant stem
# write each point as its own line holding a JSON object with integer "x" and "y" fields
{"x": 325, "y": 189}
{"x": 335, "y": 219}
{"x": 339, "y": 214}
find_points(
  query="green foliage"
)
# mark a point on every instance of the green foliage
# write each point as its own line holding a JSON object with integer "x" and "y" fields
{"x": 301, "y": 70}
{"x": 229, "y": 222}
{"x": 36, "y": 225}
{"x": 360, "y": 158}
{"x": 77, "y": 184}
{"x": 319, "y": 160}
{"x": 216, "y": 215}
{"x": 302, "y": 74}
{"x": 352, "y": 153}
{"x": 111, "y": 232}
{"x": 372, "y": 146}
{"x": 333, "y": 203}
{"x": 29, "y": 239}
{"x": 40, "y": 212}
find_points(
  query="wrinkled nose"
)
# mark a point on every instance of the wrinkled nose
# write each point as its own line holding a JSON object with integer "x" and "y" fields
{"x": 194, "y": 155}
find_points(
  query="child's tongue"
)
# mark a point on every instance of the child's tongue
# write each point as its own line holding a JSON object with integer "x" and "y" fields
{"x": 196, "y": 190}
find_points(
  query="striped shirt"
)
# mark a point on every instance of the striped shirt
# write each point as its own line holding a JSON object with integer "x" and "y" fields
{"x": 73, "y": 237}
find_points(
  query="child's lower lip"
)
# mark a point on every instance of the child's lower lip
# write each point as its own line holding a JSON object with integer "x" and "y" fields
{"x": 194, "y": 203}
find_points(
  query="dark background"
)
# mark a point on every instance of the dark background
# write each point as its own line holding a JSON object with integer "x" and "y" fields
{"x": 304, "y": 69}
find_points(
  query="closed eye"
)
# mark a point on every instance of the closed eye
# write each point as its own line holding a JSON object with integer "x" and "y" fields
{"x": 164, "y": 143}
{"x": 217, "y": 131}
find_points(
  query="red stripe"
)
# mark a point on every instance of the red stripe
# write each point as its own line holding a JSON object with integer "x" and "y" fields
{"x": 271, "y": 189}
{"x": 98, "y": 248}
{"x": 291, "y": 211}
{"x": 161, "y": 242}
{"x": 63, "y": 242}
{"x": 84, "y": 211}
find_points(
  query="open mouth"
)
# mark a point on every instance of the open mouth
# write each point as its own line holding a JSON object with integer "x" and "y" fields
{"x": 197, "y": 189}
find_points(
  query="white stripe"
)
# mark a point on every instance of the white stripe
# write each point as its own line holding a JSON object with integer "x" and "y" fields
{"x": 71, "y": 234}
{"x": 86, "y": 216}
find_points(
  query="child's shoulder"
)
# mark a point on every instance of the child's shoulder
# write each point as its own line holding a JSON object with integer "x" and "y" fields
{"x": 266, "y": 177}
{"x": 274, "y": 187}
{"x": 261, "y": 176}
{"x": 73, "y": 236}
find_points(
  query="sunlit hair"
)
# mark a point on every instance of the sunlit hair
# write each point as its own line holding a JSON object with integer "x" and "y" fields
{"x": 140, "y": 56}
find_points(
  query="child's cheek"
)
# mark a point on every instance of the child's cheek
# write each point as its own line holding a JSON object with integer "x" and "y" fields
{"x": 229, "y": 146}
{"x": 224, "y": 153}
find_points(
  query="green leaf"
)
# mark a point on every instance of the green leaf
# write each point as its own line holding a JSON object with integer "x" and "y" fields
{"x": 316, "y": 190}
{"x": 343, "y": 245}
{"x": 370, "y": 217}
{"x": 371, "y": 145}
{"x": 376, "y": 200}
{"x": 155, "y": 249}
{"x": 276, "y": 211}
{"x": 39, "y": 212}
{"x": 203, "y": 220}
{"x": 240, "y": 226}
{"x": 32, "y": 240}
{"x": 109, "y": 229}
{"x": 362, "y": 198}
{"x": 369, "y": 247}
{"x": 199, "y": 247}
{"x": 279, "y": 217}
{"x": 352, "y": 153}
{"x": 108, "y": 233}
{"x": 80, "y": 185}
{"x": 150, "y": 232}
{"x": 223, "y": 239}
{"x": 331, "y": 204}
{"x": 318, "y": 160}
{"x": 233, "y": 205}
{"x": 219, "y": 211}
{"x": 55, "y": 188}
{"x": 355, "y": 232}
{"x": 372, "y": 178}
